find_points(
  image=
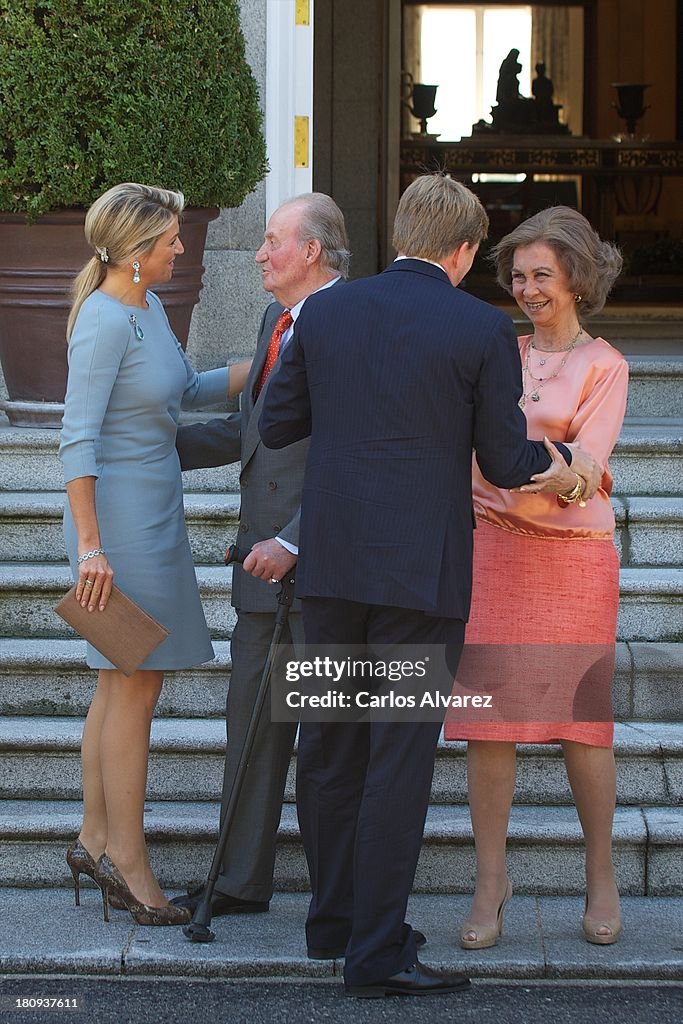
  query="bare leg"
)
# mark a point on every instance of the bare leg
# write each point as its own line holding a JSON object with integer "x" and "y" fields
{"x": 592, "y": 777}
{"x": 93, "y": 834}
{"x": 491, "y": 770}
{"x": 124, "y": 752}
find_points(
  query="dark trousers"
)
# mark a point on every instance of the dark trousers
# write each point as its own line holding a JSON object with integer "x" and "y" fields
{"x": 249, "y": 859}
{"x": 362, "y": 796}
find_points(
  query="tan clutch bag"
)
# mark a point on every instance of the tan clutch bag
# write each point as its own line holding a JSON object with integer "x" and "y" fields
{"x": 124, "y": 633}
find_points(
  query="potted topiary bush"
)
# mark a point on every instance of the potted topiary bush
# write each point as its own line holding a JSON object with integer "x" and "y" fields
{"x": 93, "y": 93}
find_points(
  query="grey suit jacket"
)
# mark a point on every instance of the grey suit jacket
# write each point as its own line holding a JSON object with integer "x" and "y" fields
{"x": 270, "y": 481}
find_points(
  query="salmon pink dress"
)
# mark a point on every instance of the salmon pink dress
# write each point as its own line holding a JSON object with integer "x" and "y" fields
{"x": 544, "y": 575}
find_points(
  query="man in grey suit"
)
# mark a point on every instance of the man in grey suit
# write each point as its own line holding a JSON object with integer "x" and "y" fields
{"x": 305, "y": 250}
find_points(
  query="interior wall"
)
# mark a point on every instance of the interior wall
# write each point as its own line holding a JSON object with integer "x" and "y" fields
{"x": 347, "y": 118}
{"x": 633, "y": 43}
{"x": 574, "y": 113}
{"x": 637, "y": 43}
{"x": 226, "y": 319}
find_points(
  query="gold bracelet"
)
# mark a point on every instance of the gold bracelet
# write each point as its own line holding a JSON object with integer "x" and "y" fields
{"x": 576, "y": 494}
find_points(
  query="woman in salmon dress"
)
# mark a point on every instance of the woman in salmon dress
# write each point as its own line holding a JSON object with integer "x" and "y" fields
{"x": 546, "y": 571}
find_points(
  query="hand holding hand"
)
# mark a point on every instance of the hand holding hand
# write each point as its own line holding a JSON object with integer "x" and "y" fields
{"x": 558, "y": 478}
{"x": 269, "y": 560}
{"x": 585, "y": 466}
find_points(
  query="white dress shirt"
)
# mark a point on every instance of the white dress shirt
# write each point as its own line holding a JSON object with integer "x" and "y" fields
{"x": 286, "y": 338}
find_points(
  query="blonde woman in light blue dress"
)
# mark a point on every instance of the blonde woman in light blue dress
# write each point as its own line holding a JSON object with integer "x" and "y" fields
{"x": 124, "y": 523}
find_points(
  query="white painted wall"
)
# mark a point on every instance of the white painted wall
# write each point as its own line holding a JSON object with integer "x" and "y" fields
{"x": 289, "y": 93}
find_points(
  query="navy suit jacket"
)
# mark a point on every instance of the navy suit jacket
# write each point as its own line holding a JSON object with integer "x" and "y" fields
{"x": 397, "y": 378}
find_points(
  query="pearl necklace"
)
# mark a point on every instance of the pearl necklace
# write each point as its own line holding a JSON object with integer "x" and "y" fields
{"x": 540, "y": 382}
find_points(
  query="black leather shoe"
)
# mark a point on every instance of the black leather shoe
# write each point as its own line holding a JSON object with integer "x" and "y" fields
{"x": 338, "y": 953}
{"x": 221, "y": 903}
{"x": 416, "y": 980}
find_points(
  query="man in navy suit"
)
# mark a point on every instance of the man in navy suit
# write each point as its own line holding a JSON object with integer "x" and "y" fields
{"x": 396, "y": 378}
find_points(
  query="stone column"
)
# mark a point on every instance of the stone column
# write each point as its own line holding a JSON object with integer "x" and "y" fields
{"x": 225, "y": 321}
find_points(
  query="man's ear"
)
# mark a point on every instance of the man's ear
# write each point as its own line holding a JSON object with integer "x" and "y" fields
{"x": 313, "y": 250}
{"x": 466, "y": 250}
{"x": 465, "y": 257}
{"x": 459, "y": 261}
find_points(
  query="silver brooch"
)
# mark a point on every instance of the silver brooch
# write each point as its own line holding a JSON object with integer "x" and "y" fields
{"x": 139, "y": 333}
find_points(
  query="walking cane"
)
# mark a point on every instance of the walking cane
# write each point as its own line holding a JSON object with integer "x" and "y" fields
{"x": 198, "y": 929}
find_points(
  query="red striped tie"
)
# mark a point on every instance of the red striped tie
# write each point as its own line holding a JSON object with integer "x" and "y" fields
{"x": 283, "y": 324}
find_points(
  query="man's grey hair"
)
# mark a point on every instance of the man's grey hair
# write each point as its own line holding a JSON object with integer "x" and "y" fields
{"x": 322, "y": 219}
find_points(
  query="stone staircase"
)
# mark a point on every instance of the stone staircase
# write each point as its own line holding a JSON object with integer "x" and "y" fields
{"x": 45, "y": 686}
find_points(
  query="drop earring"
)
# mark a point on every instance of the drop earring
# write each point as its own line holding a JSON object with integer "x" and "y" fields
{"x": 136, "y": 272}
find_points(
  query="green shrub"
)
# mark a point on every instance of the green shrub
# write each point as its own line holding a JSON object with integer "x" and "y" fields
{"x": 93, "y": 92}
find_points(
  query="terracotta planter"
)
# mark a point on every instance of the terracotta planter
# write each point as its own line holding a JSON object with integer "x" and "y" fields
{"x": 38, "y": 263}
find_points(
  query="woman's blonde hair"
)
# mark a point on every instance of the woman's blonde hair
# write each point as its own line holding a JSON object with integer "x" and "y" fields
{"x": 122, "y": 225}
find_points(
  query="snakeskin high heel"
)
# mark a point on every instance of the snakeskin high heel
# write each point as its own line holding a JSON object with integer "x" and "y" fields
{"x": 81, "y": 863}
{"x": 113, "y": 884}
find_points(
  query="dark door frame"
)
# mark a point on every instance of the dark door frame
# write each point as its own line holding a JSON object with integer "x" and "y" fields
{"x": 590, "y": 24}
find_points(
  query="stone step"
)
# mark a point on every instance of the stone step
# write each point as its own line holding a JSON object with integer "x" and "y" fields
{"x": 31, "y": 526}
{"x": 29, "y": 462}
{"x": 28, "y": 594}
{"x": 50, "y": 677}
{"x": 648, "y": 459}
{"x": 39, "y": 760}
{"x": 640, "y": 335}
{"x": 651, "y": 605}
{"x": 655, "y": 385}
{"x": 648, "y": 529}
{"x": 545, "y": 847}
{"x": 641, "y": 330}
{"x": 654, "y": 378}
{"x": 542, "y": 947}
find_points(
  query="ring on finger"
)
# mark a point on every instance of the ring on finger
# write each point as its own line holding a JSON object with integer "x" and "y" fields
{"x": 88, "y": 583}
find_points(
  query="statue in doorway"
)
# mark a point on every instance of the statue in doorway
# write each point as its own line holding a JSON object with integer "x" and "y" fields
{"x": 542, "y": 91}
{"x": 522, "y": 115}
{"x": 507, "y": 90}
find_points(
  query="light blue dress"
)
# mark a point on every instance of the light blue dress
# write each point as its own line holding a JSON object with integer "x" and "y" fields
{"x": 123, "y": 400}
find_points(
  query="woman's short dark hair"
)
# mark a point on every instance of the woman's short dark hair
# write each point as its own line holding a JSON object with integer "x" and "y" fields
{"x": 591, "y": 265}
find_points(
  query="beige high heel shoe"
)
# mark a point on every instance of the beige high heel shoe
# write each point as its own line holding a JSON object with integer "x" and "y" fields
{"x": 485, "y": 935}
{"x": 590, "y": 926}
